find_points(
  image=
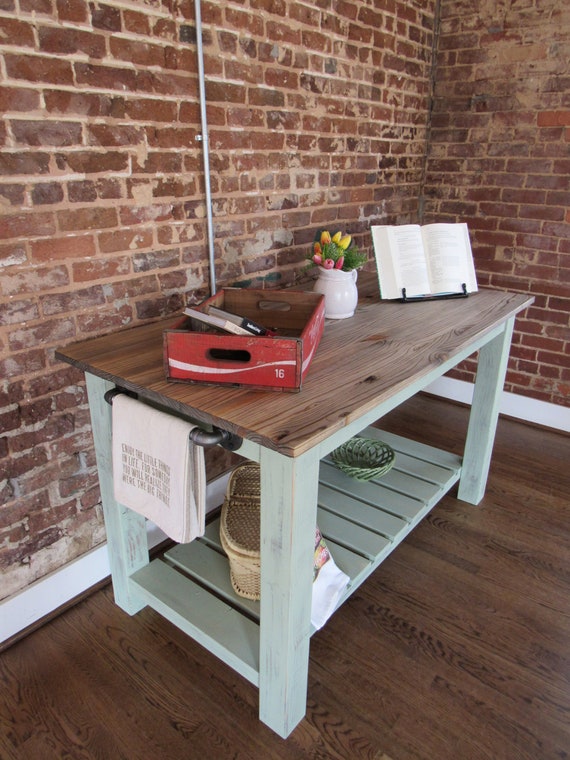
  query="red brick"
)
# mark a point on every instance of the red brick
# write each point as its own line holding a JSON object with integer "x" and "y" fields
{"x": 27, "y": 225}
{"x": 118, "y": 241}
{"x": 71, "y": 247}
{"x": 94, "y": 162}
{"x": 22, "y": 163}
{"x": 554, "y": 118}
{"x": 47, "y": 133}
{"x": 114, "y": 135}
{"x": 145, "y": 214}
{"x": 105, "y": 17}
{"x": 137, "y": 52}
{"x": 48, "y": 331}
{"x": 108, "y": 77}
{"x": 72, "y": 10}
{"x": 65, "y": 41}
{"x": 164, "y": 29}
{"x": 39, "y": 69}
{"x": 75, "y": 301}
{"x": 100, "y": 269}
{"x": 87, "y": 219}
{"x": 17, "y": 30}
{"x": 249, "y": 22}
{"x": 136, "y": 22}
{"x": 18, "y": 100}
{"x": 23, "y": 363}
{"x": 84, "y": 104}
{"x": 44, "y": 193}
{"x": 13, "y": 195}
{"x": 40, "y": 278}
{"x": 147, "y": 109}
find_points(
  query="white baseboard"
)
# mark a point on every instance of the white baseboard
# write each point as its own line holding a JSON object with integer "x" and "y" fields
{"x": 511, "y": 405}
{"x": 55, "y": 590}
{"x": 46, "y": 595}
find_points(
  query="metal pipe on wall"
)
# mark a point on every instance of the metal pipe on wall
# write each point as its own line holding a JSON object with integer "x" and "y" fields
{"x": 203, "y": 137}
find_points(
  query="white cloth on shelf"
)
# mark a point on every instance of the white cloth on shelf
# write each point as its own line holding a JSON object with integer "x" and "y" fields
{"x": 329, "y": 582}
{"x": 157, "y": 470}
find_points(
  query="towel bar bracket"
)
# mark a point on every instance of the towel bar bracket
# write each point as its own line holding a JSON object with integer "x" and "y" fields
{"x": 205, "y": 438}
{"x": 216, "y": 437}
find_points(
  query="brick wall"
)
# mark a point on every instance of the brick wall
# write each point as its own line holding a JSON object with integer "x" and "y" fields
{"x": 318, "y": 115}
{"x": 499, "y": 159}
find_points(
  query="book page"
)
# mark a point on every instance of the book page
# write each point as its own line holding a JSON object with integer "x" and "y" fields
{"x": 449, "y": 256}
{"x": 401, "y": 260}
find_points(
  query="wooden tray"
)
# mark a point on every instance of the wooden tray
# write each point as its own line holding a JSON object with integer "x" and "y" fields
{"x": 270, "y": 363}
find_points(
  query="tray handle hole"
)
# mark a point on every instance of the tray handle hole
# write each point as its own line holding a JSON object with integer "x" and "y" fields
{"x": 229, "y": 355}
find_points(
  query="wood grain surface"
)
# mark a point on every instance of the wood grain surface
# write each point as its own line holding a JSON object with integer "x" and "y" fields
{"x": 385, "y": 347}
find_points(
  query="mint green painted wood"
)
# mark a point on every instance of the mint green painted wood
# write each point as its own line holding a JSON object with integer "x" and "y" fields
{"x": 126, "y": 531}
{"x": 350, "y": 562}
{"x": 202, "y": 562}
{"x": 212, "y": 534}
{"x": 364, "y": 532}
{"x": 225, "y": 632}
{"x": 400, "y": 504}
{"x": 368, "y": 516}
{"x": 288, "y": 520}
{"x": 383, "y": 522}
{"x": 491, "y": 371}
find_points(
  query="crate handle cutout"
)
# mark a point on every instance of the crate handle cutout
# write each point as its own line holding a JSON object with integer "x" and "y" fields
{"x": 229, "y": 355}
{"x": 274, "y": 306}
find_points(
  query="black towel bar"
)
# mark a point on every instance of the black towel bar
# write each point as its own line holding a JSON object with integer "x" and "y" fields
{"x": 206, "y": 438}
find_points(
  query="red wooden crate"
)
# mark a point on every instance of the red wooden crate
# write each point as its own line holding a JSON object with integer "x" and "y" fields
{"x": 270, "y": 363}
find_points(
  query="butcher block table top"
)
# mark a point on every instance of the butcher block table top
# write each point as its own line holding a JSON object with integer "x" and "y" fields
{"x": 384, "y": 347}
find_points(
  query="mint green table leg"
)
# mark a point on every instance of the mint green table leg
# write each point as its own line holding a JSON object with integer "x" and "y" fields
{"x": 288, "y": 520}
{"x": 491, "y": 371}
{"x": 126, "y": 530}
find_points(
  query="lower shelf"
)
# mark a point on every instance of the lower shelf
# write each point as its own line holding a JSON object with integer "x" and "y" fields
{"x": 362, "y": 523}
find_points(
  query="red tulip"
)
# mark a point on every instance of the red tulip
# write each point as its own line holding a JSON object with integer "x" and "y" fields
{"x": 339, "y": 263}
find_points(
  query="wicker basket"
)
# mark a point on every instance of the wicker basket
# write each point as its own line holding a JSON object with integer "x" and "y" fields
{"x": 364, "y": 458}
{"x": 240, "y": 529}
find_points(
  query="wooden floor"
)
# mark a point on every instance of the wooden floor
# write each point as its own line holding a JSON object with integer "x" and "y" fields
{"x": 457, "y": 648}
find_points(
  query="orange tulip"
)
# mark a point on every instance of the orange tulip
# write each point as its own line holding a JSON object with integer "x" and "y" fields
{"x": 325, "y": 237}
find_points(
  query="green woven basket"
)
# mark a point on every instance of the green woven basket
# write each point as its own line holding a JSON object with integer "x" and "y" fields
{"x": 364, "y": 458}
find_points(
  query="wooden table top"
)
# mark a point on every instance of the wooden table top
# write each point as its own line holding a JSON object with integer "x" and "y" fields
{"x": 360, "y": 362}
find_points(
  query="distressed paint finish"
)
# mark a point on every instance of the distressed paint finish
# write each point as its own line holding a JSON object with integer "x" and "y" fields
{"x": 126, "y": 531}
{"x": 288, "y": 519}
{"x": 491, "y": 371}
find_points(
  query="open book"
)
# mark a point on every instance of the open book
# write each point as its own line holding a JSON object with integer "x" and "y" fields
{"x": 415, "y": 261}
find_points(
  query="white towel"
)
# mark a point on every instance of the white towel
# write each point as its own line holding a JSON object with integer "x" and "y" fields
{"x": 157, "y": 470}
{"x": 329, "y": 582}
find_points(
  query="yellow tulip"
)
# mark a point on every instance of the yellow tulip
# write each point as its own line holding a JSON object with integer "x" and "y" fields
{"x": 325, "y": 237}
{"x": 336, "y": 237}
{"x": 345, "y": 242}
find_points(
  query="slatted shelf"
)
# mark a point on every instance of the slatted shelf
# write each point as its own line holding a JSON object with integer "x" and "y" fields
{"x": 361, "y": 521}
{"x": 215, "y": 624}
